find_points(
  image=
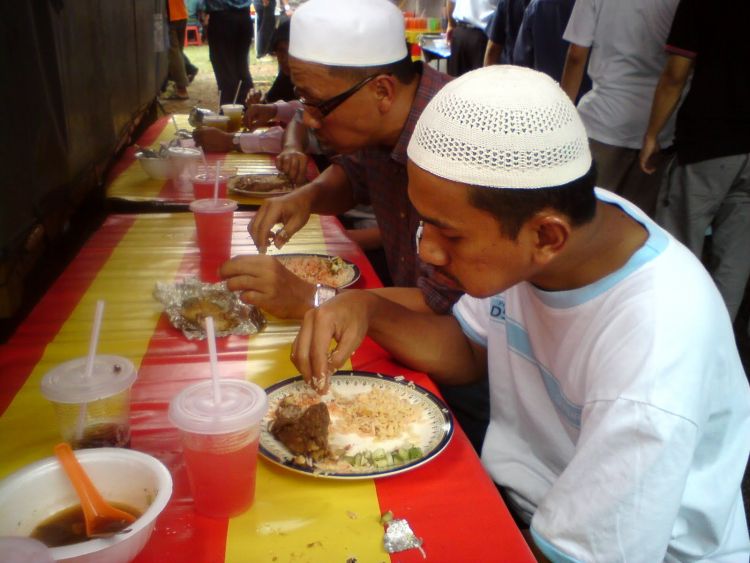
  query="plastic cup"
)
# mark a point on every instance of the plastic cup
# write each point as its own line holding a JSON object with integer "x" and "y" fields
{"x": 213, "y": 222}
{"x": 234, "y": 113}
{"x": 220, "y": 443}
{"x": 203, "y": 180}
{"x": 92, "y": 412}
{"x": 218, "y": 121}
{"x": 183, "y": 162}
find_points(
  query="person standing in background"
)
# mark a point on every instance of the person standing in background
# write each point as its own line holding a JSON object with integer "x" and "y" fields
{"x": 467, "y": 33}
{"x": 708, "y": 183}
{"x": 503, "y": 30}
{"x": 176, "y": 72}
{"x": 626, "y": 43}
{"x": 230, "y": 33}
{"x": 265, "y": 23}
{"x": 540, "y": 44}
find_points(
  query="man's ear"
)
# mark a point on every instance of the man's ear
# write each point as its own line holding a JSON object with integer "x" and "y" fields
{"x": 551, "y": 234}
{"x": 384, "y": 89}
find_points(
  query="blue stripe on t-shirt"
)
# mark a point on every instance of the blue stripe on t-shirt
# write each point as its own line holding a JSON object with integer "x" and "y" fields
{"x": 655, "y": 244}
{"x": 519, "y": 342}
{"x": 550, "y": 551}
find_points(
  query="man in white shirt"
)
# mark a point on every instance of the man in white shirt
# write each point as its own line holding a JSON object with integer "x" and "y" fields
{"x": 467, "y": 33}
{"x": 623, "y": 43}
{"x": 620, "y": 412}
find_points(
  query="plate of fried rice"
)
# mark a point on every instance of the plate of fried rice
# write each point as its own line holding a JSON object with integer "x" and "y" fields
{"x": 379, "y": 425}
{"x": 321, "y": 268}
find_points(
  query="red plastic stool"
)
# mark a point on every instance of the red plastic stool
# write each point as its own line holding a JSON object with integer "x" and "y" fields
{"x": 196, "y": 40}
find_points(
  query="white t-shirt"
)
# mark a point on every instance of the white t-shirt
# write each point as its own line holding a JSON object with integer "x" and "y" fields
{"x": 620, "y": 412}
{"x": 627, "y": 57}
{"x": 475, "y": 12}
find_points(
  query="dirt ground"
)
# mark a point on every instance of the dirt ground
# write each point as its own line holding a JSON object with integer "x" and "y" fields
{"x": 203, "y": 91}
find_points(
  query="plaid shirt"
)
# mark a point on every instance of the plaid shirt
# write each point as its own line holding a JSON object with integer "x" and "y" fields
{"x": 378, "y": 176}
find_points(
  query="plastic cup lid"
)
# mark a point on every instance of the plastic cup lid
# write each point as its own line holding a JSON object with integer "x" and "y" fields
{"x": 214, "y": 117}
{"x": 243, "y": 405}
{"x": 210, "y": 205}
{"x": 67, "y": 383}
{"x": 236, "y": 107}
{"x": 184, "y": 152}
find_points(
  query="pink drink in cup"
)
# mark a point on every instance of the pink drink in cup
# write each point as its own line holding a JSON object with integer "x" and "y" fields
{"x": 220, "y": 443}
{"x": 213, "y": 222}
{"x": 204, "y": 178}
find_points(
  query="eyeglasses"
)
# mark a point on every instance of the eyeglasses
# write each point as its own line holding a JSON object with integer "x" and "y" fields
{"x": 327, "y": 106}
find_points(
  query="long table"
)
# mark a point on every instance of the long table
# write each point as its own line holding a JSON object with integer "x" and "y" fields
{"x": 128, "y": 186}
{"x": 450, "y": 502}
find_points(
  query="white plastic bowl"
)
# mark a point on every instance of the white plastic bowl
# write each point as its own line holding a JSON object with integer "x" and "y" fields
{"x": 156, "y": 167}
{"x": 33, "y": 494}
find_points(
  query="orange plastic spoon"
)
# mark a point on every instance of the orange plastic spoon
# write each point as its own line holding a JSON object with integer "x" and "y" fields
{"x": 102, "y": 519}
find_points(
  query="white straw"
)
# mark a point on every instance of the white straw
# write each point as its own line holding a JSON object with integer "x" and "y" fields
{"x": 213, "y": 360}
{"x": 93, "y": 342}
{"x": 94, "y": 338}
{"x": 216, "y": 181}
{"x": 218, "y": 108}
{"x": 175, "y": 123}
{"x": 237, "y": 92}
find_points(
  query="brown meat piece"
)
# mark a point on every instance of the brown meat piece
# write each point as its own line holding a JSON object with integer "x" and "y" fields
{"x": 303, "y": 431}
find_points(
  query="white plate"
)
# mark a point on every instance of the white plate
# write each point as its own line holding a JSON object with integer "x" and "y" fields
{"x": 354, "y": 270}
{"x": 431, "y": 432}
{"x": 232, "y": 187}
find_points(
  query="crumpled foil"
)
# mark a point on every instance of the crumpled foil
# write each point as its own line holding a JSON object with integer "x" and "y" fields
{"x": 245, "y": 319}
{"x": 399, "y": 537}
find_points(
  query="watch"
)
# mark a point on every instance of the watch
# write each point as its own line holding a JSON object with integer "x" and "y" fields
{"x": 323, "y": 293}
{"x": 236, "y": 141}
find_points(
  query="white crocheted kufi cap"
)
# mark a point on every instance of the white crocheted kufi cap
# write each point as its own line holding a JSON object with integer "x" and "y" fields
{"x": 351, "y": 33}
{"x": 503, "y": 127}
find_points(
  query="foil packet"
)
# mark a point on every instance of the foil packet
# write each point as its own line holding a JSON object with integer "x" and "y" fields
{"x": 188, "y": 302}
{"x": 399, "y": 537}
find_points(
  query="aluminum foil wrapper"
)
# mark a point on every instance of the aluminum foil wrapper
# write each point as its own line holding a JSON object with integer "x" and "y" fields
{"x": 195, "y": 118}
{"x": 399, "y": 537}
{"x": 188, "y": 302}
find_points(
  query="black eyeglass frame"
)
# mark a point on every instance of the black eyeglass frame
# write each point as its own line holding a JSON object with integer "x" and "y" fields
{"x": 327, "y": 106}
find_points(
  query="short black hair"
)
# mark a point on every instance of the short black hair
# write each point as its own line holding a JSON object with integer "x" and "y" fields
{"x": 280, "y": 35}
{"x": 513, "y": 207}
{"x": 404, "y": 70}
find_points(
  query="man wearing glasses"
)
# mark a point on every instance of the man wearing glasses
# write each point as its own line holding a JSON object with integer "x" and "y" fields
{"x": 362, "y": 96}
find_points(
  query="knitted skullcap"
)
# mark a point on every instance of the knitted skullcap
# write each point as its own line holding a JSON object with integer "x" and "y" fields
{"x": 503, "y": 127}
{"x": 352, "y": 33}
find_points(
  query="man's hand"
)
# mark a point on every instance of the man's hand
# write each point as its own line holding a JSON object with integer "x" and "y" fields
{"x": 213, "y": 139}
{"x": 253, "y": 97}
{"x": 264, "y": 282}
{"x": 291, "y": 210}
{"x": 293, "y": 163}
{"x": 344, "y": 319}
{"x": 649, "y": 149}
{"x": 259, "y": 115}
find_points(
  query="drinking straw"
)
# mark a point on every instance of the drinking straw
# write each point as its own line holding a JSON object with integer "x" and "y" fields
{"x": 93, "y": 342}
{"x": 218, "y": 105}
{"x": 216, "y": 181}
{"x": 237, "y": 92}
{"x": 174, "y": 121}
{"x": 213, "y": 360}
{"x": 203, "y": 156}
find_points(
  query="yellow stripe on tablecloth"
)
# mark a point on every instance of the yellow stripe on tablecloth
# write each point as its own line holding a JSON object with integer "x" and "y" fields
{"x": 297, "y": 517}
{"x": 28, "y": 428}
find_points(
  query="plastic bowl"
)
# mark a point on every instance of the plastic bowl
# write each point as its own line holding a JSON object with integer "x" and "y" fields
{"x": 33, "y": 494}
{"x": 156, "y": 168}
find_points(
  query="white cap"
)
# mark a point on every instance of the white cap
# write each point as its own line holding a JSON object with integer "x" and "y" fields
{"x": 352, "y": 33}
{"x": 503, "y": 127}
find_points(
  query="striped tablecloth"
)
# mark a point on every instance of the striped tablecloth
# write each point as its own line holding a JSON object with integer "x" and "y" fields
{"x": 127, "y": 182}
{"x": 450, "y": 502}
